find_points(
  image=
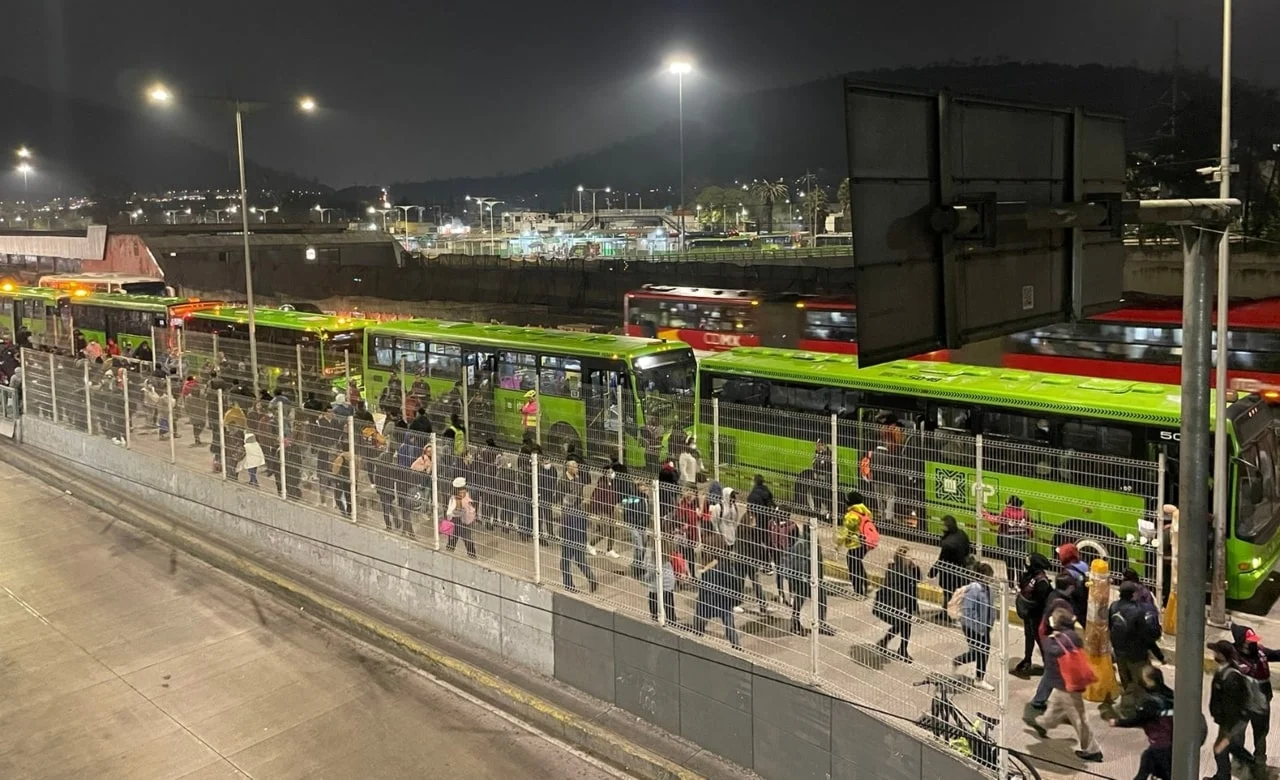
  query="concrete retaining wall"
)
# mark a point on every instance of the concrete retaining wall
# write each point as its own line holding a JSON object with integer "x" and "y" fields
{"x": 724, "y": 703}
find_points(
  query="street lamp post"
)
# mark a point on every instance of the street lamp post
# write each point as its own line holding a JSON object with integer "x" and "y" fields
{"x": 261, "y": 212}
{"x": 372, "y": 210}
{"x": 217, "y": 213}
{"x": 593, "y": 191}
{"x": 1218, "y": 591}
{"x": 172, "y": 214}
{"x": 406, "y": 210}
{"x": 482, "y": 202}
{"x": 681, "y": 68}
{"x": 492, "y": 211}
{"x": 324, "y": 212}
{"x": 161, "y": 94}
{"x": 25, "y": 169}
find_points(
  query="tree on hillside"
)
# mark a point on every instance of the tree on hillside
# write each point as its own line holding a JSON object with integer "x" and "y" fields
{"x": 767, "y": 193}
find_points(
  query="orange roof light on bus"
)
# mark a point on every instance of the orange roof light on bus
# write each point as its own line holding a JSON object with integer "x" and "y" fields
{"x": 80, "y": 293}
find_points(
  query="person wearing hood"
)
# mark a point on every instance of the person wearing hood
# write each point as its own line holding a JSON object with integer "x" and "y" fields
{"x": 1131, "y": 640}
{"x": 1060, "y": 598}
{"x": 1254, "y": 662}
{"x": 1143, "y": 597}
{"x": 1013, "y": 531}
{"x": 1154, "y": 715}
{"x": 253, "y": 458}
{"x": 851, "y": 535}
{"x": 726, "y": 516}
{"x": 799, "y": 581}
{"x": 1065, "y": 706}
{"x": 1229, "y": 707}
{"x": 953, "y": 555}
{"x": 1078, "y": 570}
{"x": 1034, "y": 589}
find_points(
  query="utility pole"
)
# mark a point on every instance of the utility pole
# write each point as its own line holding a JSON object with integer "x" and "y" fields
{"x": 1218, "y": 594}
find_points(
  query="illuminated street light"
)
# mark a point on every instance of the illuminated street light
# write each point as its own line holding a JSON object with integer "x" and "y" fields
{"x": 680, "y": 68}
{"x": 160, "y": 94}
{"x": 371, "y": 211}
{"x": 324, "y": 212}
{"x": 593, "y": 191}
{"x": 263, "y": 212}
{"x": 482, "y": 202}
{"x": 25, "y": 169}
{"x": 23, "y": 153}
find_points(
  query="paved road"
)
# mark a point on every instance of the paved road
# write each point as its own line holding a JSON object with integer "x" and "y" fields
{"x": 120, "y": 659}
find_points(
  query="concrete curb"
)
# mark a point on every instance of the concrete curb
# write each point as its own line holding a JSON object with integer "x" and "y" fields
{"x": 548, "y": 717}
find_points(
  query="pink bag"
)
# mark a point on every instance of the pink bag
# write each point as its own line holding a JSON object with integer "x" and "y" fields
{"x": 446, "y": 527}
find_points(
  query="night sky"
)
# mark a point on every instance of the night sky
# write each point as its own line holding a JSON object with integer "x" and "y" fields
{"x": 424, "y": 90}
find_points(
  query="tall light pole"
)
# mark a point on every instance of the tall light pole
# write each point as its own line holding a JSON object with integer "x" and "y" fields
{"x": 25, "y": 169}
{"x": 1218, "y": 591}
{"x": 384, "y": 212}
{"x": 173, "y": 214}
{"x": 492, "y": 230}
{"x": 681, "y": 68}
{"x": 406, "y": 210}
{"x": 593, "y": 191}
{"x": 481, "y": 202}
{"x": 217, "y": 213}
{"x": 158, "y": 93}
{"x": 324, "y": 212}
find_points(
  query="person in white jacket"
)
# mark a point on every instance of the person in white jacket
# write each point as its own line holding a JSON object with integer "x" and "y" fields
{"x": 253, "y": 458}
{"x": 725, "y": 517}
{"x": 689, "y": 464}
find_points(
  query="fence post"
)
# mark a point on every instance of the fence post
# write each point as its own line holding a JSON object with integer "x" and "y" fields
{"x": 217, "y": 364}
{"x": 537, "y": 389}
{"x": 815, "y": 599}
{"x": 1161, "y": 465}
{"x": 715, "y": 435}
{"x": 1002, "y": 752}
{"x": 537, "y": 520}
{"x": 466, "y": 402}
{"x": 435, "y": 493}
{"x": 128, "y": 414}
{"x": 655, "y": 501}
{"x": 88, "y": 412}
{"x": 298, "y": 358}
{"x": 53, "y": 390}
{"x": 173, "y": 425}
{"x": 26, "y": 391}
{"x": 979, "y": 496}
{"x": 622, "y": 416}
{"x": 346, "y": 372}
{"x": 222, "y": 435}
{"x": 283, "y": 456}
{"x": 835, "y": 467}
{"x": 351, "y": 464}
{"x": 404, "y": 394}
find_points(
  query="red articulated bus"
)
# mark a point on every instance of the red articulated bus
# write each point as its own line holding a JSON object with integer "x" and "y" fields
{"x": 710, "y": 319}
{"x": 1143, "y": 342}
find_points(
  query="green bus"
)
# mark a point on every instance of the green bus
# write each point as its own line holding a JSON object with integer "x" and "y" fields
{"x": 129, "y": 320}
{"x": 576, "y": 375}
{"x": 1050, "y": 439}
{"x": 326, "y": 340}
{"x": 37, "y": 309}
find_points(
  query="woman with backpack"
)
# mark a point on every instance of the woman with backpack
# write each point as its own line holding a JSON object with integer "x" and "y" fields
{"x": 977, "y": 615}
{"x": 897, "y": 602}
{"x": 1066, "y": 668}
{"x": 1033, "y": 596}
{"x": 857, "y": 534}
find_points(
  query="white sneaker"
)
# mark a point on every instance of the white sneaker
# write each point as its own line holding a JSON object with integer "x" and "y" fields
{"x": 613, "y": 554}
{"x": 984, "y": 685}
{"x": 591, "y": 550}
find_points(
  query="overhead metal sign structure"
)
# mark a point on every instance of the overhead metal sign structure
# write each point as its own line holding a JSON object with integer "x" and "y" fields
{"x": 975, "y": 218}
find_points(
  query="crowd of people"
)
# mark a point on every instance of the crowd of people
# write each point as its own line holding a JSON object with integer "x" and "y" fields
{"x": 720, "y": 543}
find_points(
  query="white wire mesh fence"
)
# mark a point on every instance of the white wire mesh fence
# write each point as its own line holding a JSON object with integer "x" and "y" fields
{"x": 747, "y": 540}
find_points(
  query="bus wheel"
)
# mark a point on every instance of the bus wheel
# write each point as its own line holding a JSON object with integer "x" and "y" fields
{"x": 1088, "y": 537}
{"x": 560, "y": 437}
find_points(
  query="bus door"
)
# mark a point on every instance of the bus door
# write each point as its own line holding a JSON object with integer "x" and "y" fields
{"x": 779, "y": 324}
{"x": 891, "y": 459}
{"x": 479, "y": 368}
{"x": 603, "y": 414}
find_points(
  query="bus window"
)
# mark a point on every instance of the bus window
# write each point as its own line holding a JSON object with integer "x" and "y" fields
{"x": 831, "y": 325}
{"x": 516, "y": 370}
{"x": 1097, "y": 439}
{"x": 561, "y": 377}
{"x": 384, "y": 352}
{"x": 444, "y": 361}
{"x": 1258, "y": 495}
{"x": 673, "y": 373}
{"x": 1020, "y": 427}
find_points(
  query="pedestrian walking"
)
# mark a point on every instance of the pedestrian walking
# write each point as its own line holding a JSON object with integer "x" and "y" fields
{"x": 897, "y": 603}
{"x": 1064, "y": 652}
{"x": 953, "y": 556}
{"x": 1030, "y": 603}
{"x": 636, "y": 516}
{"x": 253, "y": 458}
{"x": 1078, "y": 570}
{"x": 1064, "y": 586}
{"x": 660, "y": 577}
{"x": 1131, "y": 640}
{"x": 800, "y": 582}
{"x": 689, "y": 464}
{"x": 573, "y": 542}
{"x": 1154, "y": 715}
{"x": 1013, "y": 531}
{"x": 719, "y": 591}
{"x": 604, "y": 502}
{"x": 726, "y": 516}
{"x": 1255, "y": 662}
{"x": 1232, "y": 705}
{"x": 977, "y": 615}
{"x": 1145, "y": 599}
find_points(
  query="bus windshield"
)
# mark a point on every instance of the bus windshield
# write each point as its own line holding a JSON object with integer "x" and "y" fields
{"x": 1258, "y": 493}
{"x": 672, "y": 373}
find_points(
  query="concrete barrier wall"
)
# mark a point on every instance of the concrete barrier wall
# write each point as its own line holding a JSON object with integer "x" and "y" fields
{"x": 723, "y": 703}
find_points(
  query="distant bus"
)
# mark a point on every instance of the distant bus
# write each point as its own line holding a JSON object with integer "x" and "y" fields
{"x": 730, "y": 242}
{"x": 577, "y": 376}
{"x": 130, "y": 320}
{"x": 108, "y": 283}
{"x": 36, "y": 309}
{"x": 833, "y": 239}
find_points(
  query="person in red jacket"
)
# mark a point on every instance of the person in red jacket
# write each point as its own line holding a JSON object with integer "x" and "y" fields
{"x": 1013, "y": 530}
{"x": 689, "y": 517}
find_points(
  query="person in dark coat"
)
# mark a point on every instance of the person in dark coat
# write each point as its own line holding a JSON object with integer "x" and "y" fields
{"x": 719, "y": 591}
{"x": 897, "y": 602}
{"x": 953, "y": 557}
{"x": 1059, "y": 598}
{"x": 573, "y": 541}
{"x": 760, "y": 497}
{"x": 1228, "y": 706}
{"x": 383, "y": 477}
{"x": 1255, "y": 662}
{"x": 799, "y": 579}
{"x": 1154, "y": 715}
{"x": 1131, "y": 641}
{"x": 1034, "y": 588}
{"x": 753, "y": 554}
